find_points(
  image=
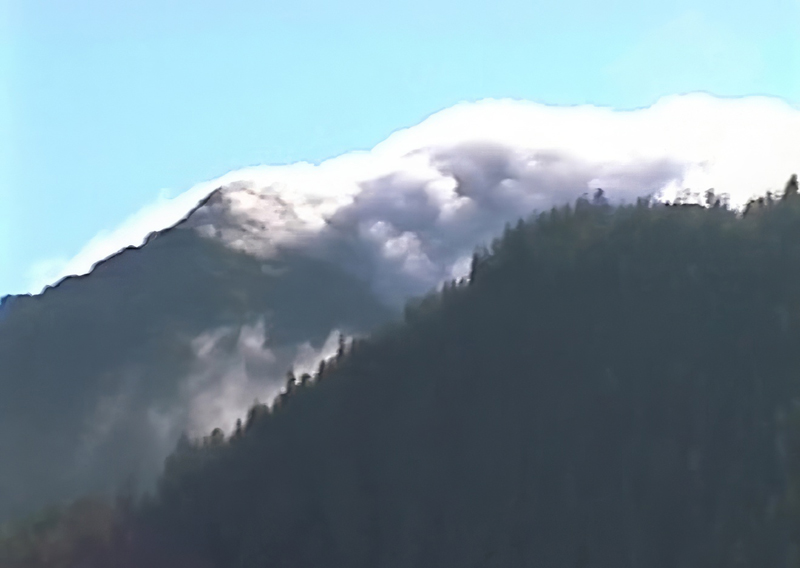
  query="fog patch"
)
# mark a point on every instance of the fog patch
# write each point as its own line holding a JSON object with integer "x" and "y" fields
{"x": 234, "y": 368}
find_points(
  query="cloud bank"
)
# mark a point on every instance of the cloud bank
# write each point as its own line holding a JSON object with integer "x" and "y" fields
{"x": 402, "y": 217}
{"x": 407, "y": 214}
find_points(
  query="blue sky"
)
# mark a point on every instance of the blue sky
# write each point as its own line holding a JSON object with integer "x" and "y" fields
{"x": 105, "y": 105}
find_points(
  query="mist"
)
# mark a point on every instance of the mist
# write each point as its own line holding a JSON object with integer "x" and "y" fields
{"x": 184, "y": 333}
{"x": 417, "y": 203}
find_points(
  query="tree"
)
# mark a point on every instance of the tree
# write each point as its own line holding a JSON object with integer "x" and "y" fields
{"x": 340, "y": 350}
{"x": 523, "y": 422}
{"x": 791, "y": 187}
{"x": 291, "y": 382}
{"x": 599, "y": 198}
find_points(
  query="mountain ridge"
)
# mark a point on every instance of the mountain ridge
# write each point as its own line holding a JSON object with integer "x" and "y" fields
{"x": 610, "y": 387}
{"x": 102, "y": 372}
{"x": 151, "y": 236}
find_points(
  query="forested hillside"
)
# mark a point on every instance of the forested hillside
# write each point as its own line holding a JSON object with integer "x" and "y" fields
{"x": 96, "y": 373}
{"x": 611, "y": 387}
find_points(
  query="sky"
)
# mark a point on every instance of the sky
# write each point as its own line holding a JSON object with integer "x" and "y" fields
{"x": 109, "y": 107}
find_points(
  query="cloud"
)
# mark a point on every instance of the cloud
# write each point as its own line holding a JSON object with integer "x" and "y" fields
{"x": 408, "y": 213}
{"x": 128, "y": 429}
{"x": 308, "y": 358}
{"x": 227, "y": 379}
{"x": 233, "y": 366}
{"x": 128, "y": 432}
{"x": 404, "y": 217}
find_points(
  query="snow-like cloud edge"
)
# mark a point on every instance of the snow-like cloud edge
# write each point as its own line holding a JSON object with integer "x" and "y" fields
{"x": 740, "y": 146}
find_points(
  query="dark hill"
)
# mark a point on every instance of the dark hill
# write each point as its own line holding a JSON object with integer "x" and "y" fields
{"x": 612, "y": 388}
{"x": 93, "y": 372}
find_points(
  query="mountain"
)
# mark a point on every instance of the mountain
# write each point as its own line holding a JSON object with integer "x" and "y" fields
{"x": 611, "y": 386}
{"x": 102, "y": 373}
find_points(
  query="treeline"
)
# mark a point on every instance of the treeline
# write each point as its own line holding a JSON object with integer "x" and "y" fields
{"x": 611, "y": 387}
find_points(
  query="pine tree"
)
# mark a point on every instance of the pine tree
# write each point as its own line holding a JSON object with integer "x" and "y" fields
{"x": 791, "y": 187}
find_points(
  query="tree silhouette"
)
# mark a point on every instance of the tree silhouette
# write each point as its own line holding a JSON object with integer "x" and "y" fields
{"x": 614, "y": 389}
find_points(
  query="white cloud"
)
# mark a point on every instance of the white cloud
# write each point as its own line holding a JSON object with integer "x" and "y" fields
{"x": 408, "y": 213}
{"x": 308, "y": 358}
{"x": 232, "y": 367}
{"x": 227, "y": 379}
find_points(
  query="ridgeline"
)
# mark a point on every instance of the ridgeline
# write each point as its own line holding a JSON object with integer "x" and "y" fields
{"x": 611, "y": 387}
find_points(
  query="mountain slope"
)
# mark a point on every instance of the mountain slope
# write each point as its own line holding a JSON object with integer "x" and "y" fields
{"x": 611, "y": 388}
{"x": 101, "y": 373}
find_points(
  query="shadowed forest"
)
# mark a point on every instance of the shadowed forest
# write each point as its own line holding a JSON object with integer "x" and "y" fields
{"x": 611, "y": 387}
